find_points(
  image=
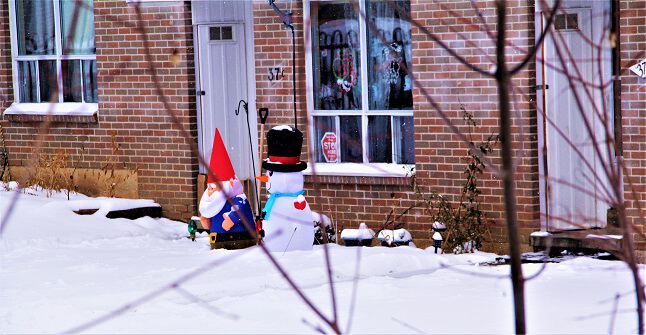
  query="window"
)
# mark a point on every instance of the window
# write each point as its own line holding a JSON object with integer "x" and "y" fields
{"x": 361, "y": 78}
{"x": 54, "y": 58}
{"x": 224, "y": 33}
{"x": 567, "y": 21}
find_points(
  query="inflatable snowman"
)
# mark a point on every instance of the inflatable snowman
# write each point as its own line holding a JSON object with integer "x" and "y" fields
{"x": 287, "y": 217}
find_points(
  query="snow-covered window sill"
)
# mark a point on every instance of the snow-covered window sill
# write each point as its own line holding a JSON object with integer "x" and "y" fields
{"x": 65, "y": 112}
{"x": 360, "y": 170}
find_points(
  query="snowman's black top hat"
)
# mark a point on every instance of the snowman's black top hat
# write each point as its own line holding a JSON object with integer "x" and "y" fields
{"x": 284, "y": 145}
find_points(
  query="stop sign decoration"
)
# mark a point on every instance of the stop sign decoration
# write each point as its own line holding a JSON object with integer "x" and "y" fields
{"x": 328, "y": 143}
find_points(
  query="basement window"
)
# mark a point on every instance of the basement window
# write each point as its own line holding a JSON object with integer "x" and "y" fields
{"x": 54, "y": 62}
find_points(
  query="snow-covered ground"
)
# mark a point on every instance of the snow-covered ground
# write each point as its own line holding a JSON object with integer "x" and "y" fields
{"x": 60, "y": 270}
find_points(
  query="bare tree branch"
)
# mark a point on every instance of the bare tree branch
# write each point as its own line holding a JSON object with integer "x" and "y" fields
{"x": 539, "y": 43}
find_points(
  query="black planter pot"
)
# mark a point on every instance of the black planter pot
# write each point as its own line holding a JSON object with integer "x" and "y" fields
{"x": 394, "y": 244}
{"x": 358, "y": 243}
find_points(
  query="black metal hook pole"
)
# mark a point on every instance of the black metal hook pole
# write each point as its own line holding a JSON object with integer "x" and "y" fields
{"x": 294, "y": 74}
{"x": 286, "y": 17}
{"x": 253, "y": 160}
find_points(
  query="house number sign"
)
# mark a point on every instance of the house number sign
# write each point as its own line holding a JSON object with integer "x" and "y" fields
{"x": 639, "y": 68}
{"x": 276, "y": 73}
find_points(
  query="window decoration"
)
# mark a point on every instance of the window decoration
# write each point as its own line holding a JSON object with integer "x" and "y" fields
{"x": 54, "y": 61}
{"x": 338, "y": 52}
{"x": 361, "y": 76}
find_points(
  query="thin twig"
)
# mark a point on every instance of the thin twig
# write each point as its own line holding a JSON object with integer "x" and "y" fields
{"x": 355, "y": 288}
{"x": 613, "y": 315}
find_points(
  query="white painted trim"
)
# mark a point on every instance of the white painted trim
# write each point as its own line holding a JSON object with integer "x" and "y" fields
{"x": 542, "y": 190}
{"x": 250, "y": 53}
{"x": 58, "y": 42}
{"x": 393, "y": 153}
{"x": 309, "y": 81}
{"x": 198, "y": 97}
{"x": 365, "y": 105}
{"x": 394, "y": 112}
{"x": 359, "y": 169}
{"x": 55, "y": 57}
{"x": 13, "y": 31}
{"x": 46, "y": 108}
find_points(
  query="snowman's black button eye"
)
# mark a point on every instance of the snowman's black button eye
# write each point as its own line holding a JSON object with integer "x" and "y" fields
{"x": 271, "y": 173}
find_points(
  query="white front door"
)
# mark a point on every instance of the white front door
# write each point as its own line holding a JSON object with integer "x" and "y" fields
{"x": 576, "y": 184}
{"x": 223, "y": 83}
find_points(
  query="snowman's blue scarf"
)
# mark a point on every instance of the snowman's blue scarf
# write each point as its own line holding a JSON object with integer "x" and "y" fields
{"x": 272, "y": 198}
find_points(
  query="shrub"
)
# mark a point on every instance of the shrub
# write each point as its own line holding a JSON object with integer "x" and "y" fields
{"x": 467, "y": 225}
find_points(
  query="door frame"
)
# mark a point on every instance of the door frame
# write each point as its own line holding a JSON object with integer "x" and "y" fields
{"x": 542, "y": 97}
{"x": 251, "y": 78}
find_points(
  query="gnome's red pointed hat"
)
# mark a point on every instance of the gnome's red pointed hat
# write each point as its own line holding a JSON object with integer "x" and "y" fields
{"x": 284, "y": 145}
{"x": 220, "y": 164}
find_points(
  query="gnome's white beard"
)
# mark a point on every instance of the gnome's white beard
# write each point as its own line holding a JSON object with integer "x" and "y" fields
{"x": 211, "y": 205}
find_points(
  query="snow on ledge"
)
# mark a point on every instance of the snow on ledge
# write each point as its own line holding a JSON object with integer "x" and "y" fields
{"x": 67, "y": 108}
{"x": 359, "y": 169}
{"x": 540, "y": 234}
{"x": 605, "y": 237}
{"x": 283, "y": 127}
{"x": 399, "y": 235}
{"x": 363, "y": 233}
{"x": 107, "y": 205}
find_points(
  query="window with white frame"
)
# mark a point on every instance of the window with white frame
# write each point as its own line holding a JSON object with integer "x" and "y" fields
{"x": 361, "y": 80}
{"x": 53, "y": 51}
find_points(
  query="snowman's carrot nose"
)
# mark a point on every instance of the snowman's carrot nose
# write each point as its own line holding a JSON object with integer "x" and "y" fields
{"x": 263, "y": 179}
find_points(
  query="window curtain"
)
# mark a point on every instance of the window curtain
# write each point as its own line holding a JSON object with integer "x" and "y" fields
{"x": 28, "y": 76}
{"x": 35, "y": 27}
{"x": 379, "y": 139}
{"x": 389, "y": 56}
{"x": 404, "y": 133}
{"x": 82, "y": 41}
{"x": 336, "y": 56}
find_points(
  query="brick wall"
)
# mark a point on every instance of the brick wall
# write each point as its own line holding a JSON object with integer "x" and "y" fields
{"x": 6, "y": 83}
{"x": 633, "y": 108}
{"x": 347, "y": 200}
{"x": 129, "y": 106}
{"x": 131, "y": 109}
{"x": 439, "y": 154}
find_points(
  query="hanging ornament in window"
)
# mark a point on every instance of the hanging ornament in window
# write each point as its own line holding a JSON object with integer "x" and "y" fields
{"x": 392, "y": 56}
{"x": 344, "y": 72}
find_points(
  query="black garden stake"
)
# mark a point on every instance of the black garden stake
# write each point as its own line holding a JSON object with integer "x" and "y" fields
{"x": 286, "y": 17}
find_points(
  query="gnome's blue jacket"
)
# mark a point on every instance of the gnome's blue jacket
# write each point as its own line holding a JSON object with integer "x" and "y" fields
{"x": 244, "y": 209}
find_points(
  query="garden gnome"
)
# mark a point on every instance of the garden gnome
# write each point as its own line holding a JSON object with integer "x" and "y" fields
{"x": 224, "y": 206}
{"x": 287, "y": 217}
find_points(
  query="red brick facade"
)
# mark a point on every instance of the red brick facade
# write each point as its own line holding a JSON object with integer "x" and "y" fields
{"x": 632, "y": 44}
{"x": 439, "y": 154}
{"x": 6, "y": 89}
{"x": 130, "y": 107}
